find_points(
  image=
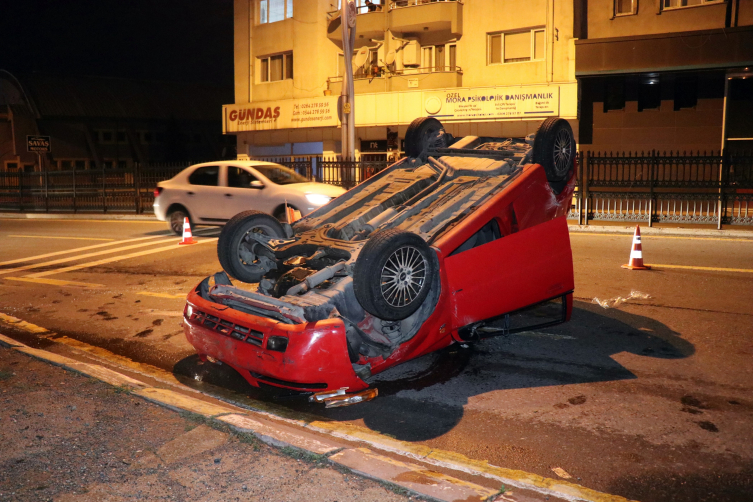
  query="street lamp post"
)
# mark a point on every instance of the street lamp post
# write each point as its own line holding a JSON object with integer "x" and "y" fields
{"x": 348, "y": 22}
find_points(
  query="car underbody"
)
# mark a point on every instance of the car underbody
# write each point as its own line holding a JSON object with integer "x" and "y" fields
{"x": 318, "y": 287}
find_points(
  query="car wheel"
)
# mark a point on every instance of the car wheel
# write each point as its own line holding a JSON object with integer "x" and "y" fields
{"x": 393, "y": 274}
{"x": 423, "y": 133}
{"x": 240, "y": 257}
{"x": 554, "y": 149}
{"x": 175, "y": 221}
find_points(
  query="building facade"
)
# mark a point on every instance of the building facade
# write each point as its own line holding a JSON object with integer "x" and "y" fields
{"x": 669, "y": 75}
{"x": 482, "y": 67}
{"x": 108, "y": 123}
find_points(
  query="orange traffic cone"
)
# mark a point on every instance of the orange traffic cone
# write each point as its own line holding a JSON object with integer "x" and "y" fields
{"x": 187, "y": 236}
{"x": 636, "y": 253}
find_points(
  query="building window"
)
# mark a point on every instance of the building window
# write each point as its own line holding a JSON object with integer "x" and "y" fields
{"x": 614, "y": 98}
{"x": 271, "y": 11}
{"x": 686, "y": 92}
{"x": 649, "y": 95}
{"x": 121, "y": 137}
{"x": 277, "y": 67}
{"x": 678, "y": 4}
{"x": 106, "y": 137}
{"x": 625, "y": 7}
{"x": 439, "y": 58}
{"x": 515, "y": 47}
{"x": 11, "y": 166}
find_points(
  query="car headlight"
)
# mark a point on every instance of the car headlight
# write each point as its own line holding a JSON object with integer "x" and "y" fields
{"x": 318, "y": 199}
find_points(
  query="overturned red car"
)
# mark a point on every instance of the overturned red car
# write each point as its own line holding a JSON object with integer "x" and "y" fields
{"x": 461, "y": 240}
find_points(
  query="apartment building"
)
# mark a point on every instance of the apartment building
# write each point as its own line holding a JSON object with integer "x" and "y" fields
{"x": 665, "y": 74}
{"x": 482, "y": 67}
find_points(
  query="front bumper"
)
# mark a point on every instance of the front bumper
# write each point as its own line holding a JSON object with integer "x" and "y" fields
{"x": 316, "y": 357}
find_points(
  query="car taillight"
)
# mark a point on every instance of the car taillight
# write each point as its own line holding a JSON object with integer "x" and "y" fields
{"x": 157, "y": 191}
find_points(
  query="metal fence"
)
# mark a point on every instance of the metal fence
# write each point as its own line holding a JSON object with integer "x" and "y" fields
{"x": 703, "y": 187}
{"x": 132, "y": 190}
{"x": 711, "y": 188}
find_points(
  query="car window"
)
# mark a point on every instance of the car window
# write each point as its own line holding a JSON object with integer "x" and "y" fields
{"x": 237, "y": 177}
{"x": 281, "y": 175}
{"x": 206, "y": 175}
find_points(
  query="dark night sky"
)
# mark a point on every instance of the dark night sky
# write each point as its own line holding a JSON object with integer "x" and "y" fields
{"x": 188, "y": 40}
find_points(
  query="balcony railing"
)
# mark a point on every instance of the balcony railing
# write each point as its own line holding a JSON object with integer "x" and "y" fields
{"x": 396, "y": 4}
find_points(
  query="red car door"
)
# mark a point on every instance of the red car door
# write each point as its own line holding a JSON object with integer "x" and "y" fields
{"x": 530, "y": 262}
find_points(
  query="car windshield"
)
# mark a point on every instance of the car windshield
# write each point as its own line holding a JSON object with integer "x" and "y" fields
{"x": 281, "y": 175}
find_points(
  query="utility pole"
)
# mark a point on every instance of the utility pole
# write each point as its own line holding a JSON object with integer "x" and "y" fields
{"x": 347, "y": 115}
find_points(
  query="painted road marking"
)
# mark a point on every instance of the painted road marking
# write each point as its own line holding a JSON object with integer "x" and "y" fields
{"x": 55, "y": 282}
{"x": 161, "y": 295}
{"x": 41, "y": 219}
{"x": 652, "y": 236}
{"x": 113, "y": 259}
{"x": 23, "y": 325}
{"x": 74, "y": 250}
{"x": 711, "y": 269}
{"x": 80, "y": 257}
{"x": 57, "y": 237}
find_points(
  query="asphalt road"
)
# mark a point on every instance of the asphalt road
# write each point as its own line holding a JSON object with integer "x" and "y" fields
{"x": 651, "y": 400}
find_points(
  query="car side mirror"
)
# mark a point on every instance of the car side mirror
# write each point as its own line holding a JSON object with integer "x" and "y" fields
{"x": 256, "y": 184}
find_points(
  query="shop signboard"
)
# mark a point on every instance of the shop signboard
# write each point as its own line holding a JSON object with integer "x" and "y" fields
{"x": 491, "y": 103}
{"x": 38, "y": 144}
{"x": 374, "y": 145}
{"x": 282, "y": 114}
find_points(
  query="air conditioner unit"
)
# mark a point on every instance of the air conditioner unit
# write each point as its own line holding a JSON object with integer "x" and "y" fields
{"x": 412, "y": 54}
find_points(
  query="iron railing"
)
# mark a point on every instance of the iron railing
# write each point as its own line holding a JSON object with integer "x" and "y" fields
{"x": 702, "y": 187}
{"x": 132, "y": 190}
{"x": 712, "y": 188}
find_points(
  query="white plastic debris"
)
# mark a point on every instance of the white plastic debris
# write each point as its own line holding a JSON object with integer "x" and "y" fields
{"x": 619, "y": 300}
{"x": 559, "y": 471}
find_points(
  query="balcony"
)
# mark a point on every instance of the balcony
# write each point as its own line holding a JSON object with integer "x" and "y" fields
{"x": 418, "y": 16}
{"x": 368, "y": 25}
{"x": 403, "y": 80}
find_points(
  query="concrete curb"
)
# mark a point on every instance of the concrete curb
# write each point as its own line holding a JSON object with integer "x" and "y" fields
{"x": 409, "y": 475}
{"x": 645, "y": 230}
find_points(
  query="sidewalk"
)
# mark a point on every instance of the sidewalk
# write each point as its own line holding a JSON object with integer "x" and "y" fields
{"x": 67, "y": 437}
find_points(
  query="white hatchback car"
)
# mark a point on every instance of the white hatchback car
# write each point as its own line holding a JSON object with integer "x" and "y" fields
{"x": 213, "y": 192}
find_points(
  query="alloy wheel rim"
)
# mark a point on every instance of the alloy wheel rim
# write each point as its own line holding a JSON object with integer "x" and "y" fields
{"x": 403, "y": 276}
{"x": 176, "y": 222}
{"x": 562, "y": 152}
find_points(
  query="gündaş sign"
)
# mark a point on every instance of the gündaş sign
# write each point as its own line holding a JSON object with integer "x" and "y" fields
{"x": 38, "y": 144}
{"x": 285, "y": 114}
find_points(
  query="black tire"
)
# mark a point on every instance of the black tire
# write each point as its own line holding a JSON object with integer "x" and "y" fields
{"x": 232, "y": 238}
{"x": 421, "y": 133}
{"x": 175, "y": 219}
{"x": 554, "y": 149}
{"x": 390, "y": 267}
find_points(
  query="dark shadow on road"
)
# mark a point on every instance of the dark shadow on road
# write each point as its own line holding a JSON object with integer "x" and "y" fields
{"x": 717, "y": 483}
{"x": 424, "y": 398}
